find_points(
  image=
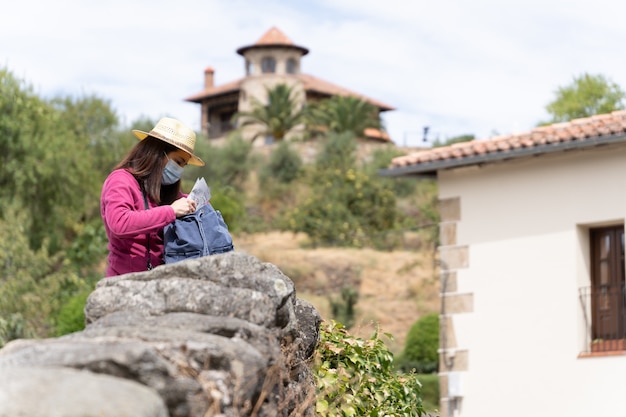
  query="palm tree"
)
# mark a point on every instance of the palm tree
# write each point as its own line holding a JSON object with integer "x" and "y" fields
{"x": 341, "y": 114}
{"x": 279, "y": 116}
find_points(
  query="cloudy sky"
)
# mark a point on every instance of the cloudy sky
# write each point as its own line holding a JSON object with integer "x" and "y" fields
{"x": 481, "y": 67}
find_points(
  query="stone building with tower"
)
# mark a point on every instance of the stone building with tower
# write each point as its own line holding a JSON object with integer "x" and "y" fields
{"x": 272, "y": 60}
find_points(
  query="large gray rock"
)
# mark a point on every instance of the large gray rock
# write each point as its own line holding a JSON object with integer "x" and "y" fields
{"x": 223, "y": 335}
{"x": 61, "y": 392}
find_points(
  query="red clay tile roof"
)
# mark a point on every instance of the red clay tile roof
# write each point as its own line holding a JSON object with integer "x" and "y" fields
{"x": 310, "y": 83}
{"x": 273, "y": 38}
{"x": 231, "y": 87}
{"x": 318, "y": 85}
{"x": 588, "y": 131}
{"x": 372, "y": 133}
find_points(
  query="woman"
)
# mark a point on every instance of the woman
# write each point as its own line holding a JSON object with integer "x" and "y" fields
{"x": 143, "y": 194}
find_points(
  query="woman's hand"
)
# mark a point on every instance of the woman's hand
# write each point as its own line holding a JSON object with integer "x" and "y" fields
{"x": 183, "y": 206}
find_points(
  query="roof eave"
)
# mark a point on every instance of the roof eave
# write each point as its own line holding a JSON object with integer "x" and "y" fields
{"x": 200, "y": 97}
{"x": 241, "y": 51}
{"x": 430, "y": 169}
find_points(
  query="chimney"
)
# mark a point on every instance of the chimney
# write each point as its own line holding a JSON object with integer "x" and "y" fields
{"x": 208, "y": 77}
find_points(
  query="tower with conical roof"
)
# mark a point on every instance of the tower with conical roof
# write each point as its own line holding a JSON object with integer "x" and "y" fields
{"x": 271, "y": 60}
{"x": 273, "y": 53}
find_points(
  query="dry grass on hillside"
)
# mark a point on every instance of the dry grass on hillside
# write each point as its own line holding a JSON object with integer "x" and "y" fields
{"x": 395, "y": 288}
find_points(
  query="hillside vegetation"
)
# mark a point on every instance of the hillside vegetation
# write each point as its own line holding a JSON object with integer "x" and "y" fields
{"x": 395, "y": 288}
{"x": 357, "y": 245}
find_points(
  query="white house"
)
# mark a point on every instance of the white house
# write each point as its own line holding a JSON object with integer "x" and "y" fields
{"x": 532, "y": 270}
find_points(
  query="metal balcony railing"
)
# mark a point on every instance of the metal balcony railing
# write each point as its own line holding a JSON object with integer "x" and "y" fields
{"x": 604, "y": 311}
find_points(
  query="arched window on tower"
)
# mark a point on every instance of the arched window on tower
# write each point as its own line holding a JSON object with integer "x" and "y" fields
{"x": 292, "y": 66}
{"x": 268, "y": 65}
{"x": 248, "y": 67}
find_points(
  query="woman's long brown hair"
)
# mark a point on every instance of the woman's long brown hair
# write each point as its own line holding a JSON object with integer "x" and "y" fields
{"x": 145, "y": 162}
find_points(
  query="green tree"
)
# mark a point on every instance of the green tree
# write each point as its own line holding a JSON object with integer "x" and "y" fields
{"x": 226, "y": 165}
{"x": 226, "y": 170}
{"x": 346, "y": 206}
{"x": 586, "y": 96}
{"x": 34, "y": 284}
{"x": 453, "y": 140}
{"x": 340, "y": 114}
{"x": 92, "y": 121}
{"x": 277, "y": 118}
{"x": 284, "y": 165}
{"x": 13, "y": 327}
{"x": 48, "y": 153}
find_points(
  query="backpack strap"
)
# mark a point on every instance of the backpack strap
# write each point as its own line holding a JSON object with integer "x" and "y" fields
{"x": 145, "y": 202}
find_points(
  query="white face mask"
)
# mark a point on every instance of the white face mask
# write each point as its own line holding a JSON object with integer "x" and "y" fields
{"x": 171, "y": 173}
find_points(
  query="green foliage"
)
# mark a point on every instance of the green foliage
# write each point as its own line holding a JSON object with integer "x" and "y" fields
{"x": 33, "y": 284}
{"x": 342, "y": 309}
{"x": 338, "y": 152}
{"x": 430, "y": 391}
{"x": 278, "y": 117}
{"x": 284, "y": 166}
{"x": 91, "y": 121}
{"x": 346, "y": 207}
{"x": 340, "y": 114}
{"x": 424, "y": 210}
{"x": 381, "y": 159}
{"x": 13, "y": 327}
{"x": 585, "y": 96}
{"x": 49, "y": 154}
{"x": 89, "y": 246}
{"x": 227, "y": 165}
{"x": 227, "y": 201}
{"x": 422, "y": 342}
{"x": 355, "y": 377}
{"x": 71, "y": 316}
{"x": 453, "y": 140}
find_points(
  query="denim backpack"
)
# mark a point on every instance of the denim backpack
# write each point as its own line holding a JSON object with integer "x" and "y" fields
{"x": 201, "y": 233}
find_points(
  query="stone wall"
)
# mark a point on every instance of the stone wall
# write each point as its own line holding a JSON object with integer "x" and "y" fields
{"x": 223, "y": 335}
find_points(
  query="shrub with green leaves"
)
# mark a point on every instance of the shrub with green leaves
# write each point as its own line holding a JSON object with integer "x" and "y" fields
{"x": 33, "y": 284}
{"x": 71, "y": 317}
{"x": 346, "y": 206}
{"x": 226, "y": 165}
{"x": 343, "y": 307}
{"x": 284, "y": 165}
{"x": 13, "y": 327}
{"x": 422, "y": 342}
{"x": 355, "y": 377}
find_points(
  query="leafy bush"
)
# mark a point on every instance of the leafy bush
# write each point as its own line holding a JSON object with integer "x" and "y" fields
{"x": 13, "y": 327}
{"x": 430, "y": 391}
{"x": 89, "y": 246}
{"x": 381, "y": 159}
{"x": 71, "y": 317}
{"x": 226, "y": 165}
{"x": 284, "y": 166}
{"x": 33, "y": 284}
{"x": 346, "y": 207}
{"x": 422, "y": 342}
{"x": 343, "y": 308}
{"x": 227, "y": 201}
{"x": 355, "y": 377}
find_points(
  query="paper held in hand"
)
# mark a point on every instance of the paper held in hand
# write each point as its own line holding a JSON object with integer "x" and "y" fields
{"x": 200, "y": 193}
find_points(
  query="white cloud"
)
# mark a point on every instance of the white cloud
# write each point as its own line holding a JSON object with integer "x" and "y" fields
{"x": 458, "y": 67}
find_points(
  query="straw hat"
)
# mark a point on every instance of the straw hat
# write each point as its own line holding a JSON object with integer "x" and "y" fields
{"x": 175, "y": 133}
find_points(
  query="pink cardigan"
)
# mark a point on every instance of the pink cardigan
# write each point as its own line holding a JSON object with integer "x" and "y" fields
{"x": 127, "y": 223}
